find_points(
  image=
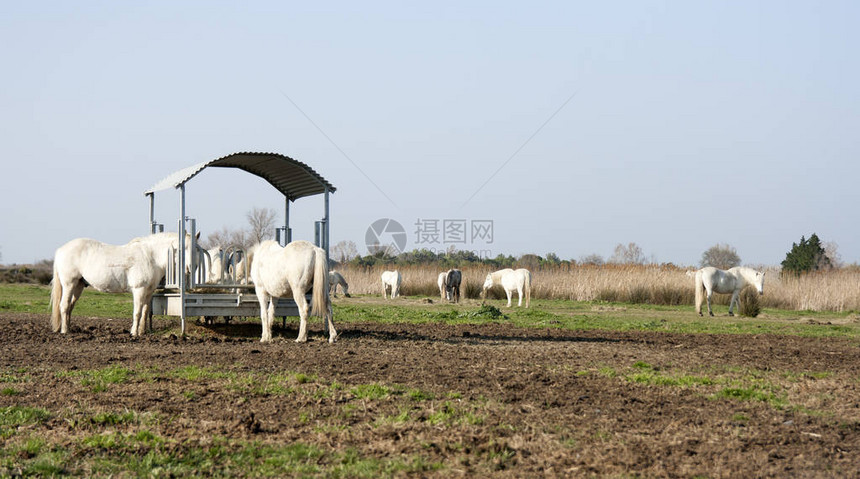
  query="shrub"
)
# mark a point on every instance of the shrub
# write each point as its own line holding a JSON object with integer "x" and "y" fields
{"x": 749, "y": 304}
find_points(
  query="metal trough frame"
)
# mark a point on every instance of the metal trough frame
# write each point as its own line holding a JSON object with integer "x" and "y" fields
{"x": 184, "y": 298}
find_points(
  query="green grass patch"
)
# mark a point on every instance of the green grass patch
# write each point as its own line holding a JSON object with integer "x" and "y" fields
{"x": 114, "y": 419}
{"x": 145, "y": 454}
{"x": 196, "y": 373}
{"x": 752, "y": 393}
{"x": 29, "y": 298}
{"x": 449, "y": 414}
{"x": 21, "y": 415}
{"x": 13, "y": 417}
{"x": 370, "y": 391}
{"x": 419, "y": 395}
{"x": 98, "y": 380}
{"x": 18, "y": 376}
{"x": 561, "y": 314}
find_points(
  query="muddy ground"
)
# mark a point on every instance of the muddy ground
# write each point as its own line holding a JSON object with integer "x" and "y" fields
{"x": 532, "y": 402}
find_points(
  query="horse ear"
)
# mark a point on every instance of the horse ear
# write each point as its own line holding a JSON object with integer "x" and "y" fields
{"x": 198, "y": 235}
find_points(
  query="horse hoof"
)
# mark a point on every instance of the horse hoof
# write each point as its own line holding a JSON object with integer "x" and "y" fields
{"x": 302, "y": 340}
{"x": 711, "y": 314}
{"x": 731, "y": 314}
{"x": 700, "y": 314}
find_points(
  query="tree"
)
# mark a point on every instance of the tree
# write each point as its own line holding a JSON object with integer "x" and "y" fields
{"x": 808, "y": 255}
{"x": 627, "y": 254}
{"x": 592, "y": 259}
{"x": 262, "y": 224}
{"x": 529, "y": 261}
{"x": 344, "y": 251}
{"x": 831, "y": 250}
{"x": 722, "y": 256}
{"x": 228, "y": 237}
{"x": 552, "y": 258}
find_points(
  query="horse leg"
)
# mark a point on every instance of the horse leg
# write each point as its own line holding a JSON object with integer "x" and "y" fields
{"x": 144, "y": 314}
{"x": 329, "y": 321}
{"x": 734, "y": 301}
{"x": 76, "y": 295}
{"x": 699, "y": 302}
{"x": 137, "y": 296}
{"x": 302, "y": 303}
{"x": 66, "y": 303}
{"x": 710, "y": 293}
{"x": 263, "y": 299}
{"x": 520, "y": 296}
{"x": 270, "y": 320}
{"x": 509, "y": 292}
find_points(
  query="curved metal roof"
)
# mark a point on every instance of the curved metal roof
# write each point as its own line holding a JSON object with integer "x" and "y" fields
{"x": 291, "y": 177}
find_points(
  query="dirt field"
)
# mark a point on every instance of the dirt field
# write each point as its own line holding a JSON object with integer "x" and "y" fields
{"x": 455, "y": 400}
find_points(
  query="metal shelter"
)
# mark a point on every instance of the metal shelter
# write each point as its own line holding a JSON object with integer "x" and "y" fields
{"x": 180, "y": 295}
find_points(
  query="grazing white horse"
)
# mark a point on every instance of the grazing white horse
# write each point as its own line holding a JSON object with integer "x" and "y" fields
{"x": 519, "y": 280}
{"x": 334, "y": 279}
{"x": 391, "y": 279}
{"x": 710, "y": 280}
{"x": 137, "y": 266}
{"x": 295, "y": 268}
{"x": 442, "y": 282}
{"x": 452, "y": 284}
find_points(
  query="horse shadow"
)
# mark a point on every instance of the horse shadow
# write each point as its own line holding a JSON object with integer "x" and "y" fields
{"x": 251, "y": 330}
{"x": 239, "y": 329}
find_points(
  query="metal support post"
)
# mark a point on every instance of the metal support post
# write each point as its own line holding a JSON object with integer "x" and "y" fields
{"x": 326, "y": 226}
{"x": 181, "y": 272}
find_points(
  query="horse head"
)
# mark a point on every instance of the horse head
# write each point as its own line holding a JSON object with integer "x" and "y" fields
{"x": 488, "y": 283}
{"x": 759, "y": 282}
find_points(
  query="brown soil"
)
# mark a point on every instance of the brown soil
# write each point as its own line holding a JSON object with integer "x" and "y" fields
{"x": 548, "y": 401}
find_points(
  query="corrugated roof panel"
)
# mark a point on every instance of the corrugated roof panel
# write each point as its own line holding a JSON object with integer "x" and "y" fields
{"x": 292, "y": 178}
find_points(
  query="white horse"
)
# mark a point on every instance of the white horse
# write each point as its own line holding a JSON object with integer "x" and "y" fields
{"x": 519, "y": 280}
{"x": 296, "y": 268}
{"x": 137, "y": 266}
{"x": 710, "y": 280}
{"x": 442, "y": 282}
{"x": 334, "y": 279}
{"x": 391, "y": 279}
{"x": 452, "y": 284}
{"x": 216, "y": 265}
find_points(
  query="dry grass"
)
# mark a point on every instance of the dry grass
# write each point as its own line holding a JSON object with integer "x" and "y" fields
{"x": 836, "y": 290}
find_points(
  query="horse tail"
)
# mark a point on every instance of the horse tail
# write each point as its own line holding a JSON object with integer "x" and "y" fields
{"x": 700, "y": 291}
{"x": 56, "y": 296}
{"x": 527, "y": 285}
{"x": 321, "y": 303}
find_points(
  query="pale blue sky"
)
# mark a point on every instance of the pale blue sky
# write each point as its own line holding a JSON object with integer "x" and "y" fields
{"x": 691, "y": 123}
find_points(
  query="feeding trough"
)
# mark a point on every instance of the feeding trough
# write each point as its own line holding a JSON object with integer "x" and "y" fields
{"x": 189, "y": 294}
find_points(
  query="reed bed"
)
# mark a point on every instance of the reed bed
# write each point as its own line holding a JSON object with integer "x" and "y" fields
{"x": 836, "y": 290}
